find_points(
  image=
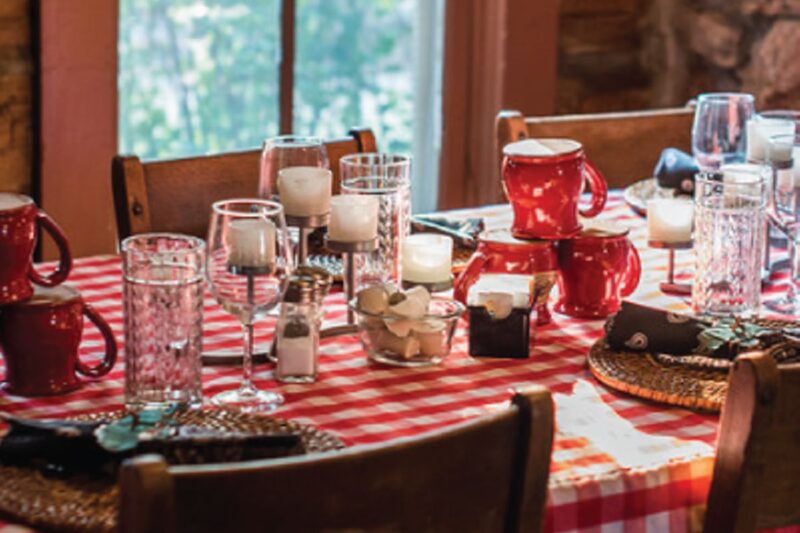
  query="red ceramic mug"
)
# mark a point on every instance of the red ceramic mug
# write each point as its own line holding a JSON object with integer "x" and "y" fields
{"x": 19, "y": 218}
{"x": 39, "y": 339}
{"x": 596, "y": 270}
{"x": 500, "y": 253}
{"x": 543, "y": 180}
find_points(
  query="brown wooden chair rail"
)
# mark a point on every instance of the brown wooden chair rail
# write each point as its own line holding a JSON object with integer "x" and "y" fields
{"x": 487, "y": 474}
{"x": 624, "y": 146}
{"x": 176, "y": 195}
{"x": 756, "y": 481}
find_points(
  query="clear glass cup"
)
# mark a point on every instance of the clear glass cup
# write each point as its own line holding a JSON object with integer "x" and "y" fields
{"x": 719, "y": 129}
{"x": 249, "y": 264}
{"x": 385, "y": 263}
{"x": 729, "y": 235}
{"x": 287, "y": 151}
{"x": 783, "y": 156}
{"x": 163, "y": 276}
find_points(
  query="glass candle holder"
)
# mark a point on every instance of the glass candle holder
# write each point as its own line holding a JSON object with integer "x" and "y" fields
{"x": 427, "y": 259}
{"x": 385, "y": 263}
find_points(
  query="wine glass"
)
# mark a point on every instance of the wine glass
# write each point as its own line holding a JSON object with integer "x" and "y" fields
{"x": 287, "y": 151}
{"x": 783, "y": 208}
{"x": 249, "y": 264}
{"x": 719, "y": 131}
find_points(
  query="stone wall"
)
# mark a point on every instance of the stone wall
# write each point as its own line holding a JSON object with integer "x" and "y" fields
{"x": 16, "y": 100}
{"x": 629, "y": 54}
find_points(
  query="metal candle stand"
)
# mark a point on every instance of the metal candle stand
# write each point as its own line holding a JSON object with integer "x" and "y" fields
{"x": 306, "y": 225}
{"x": 348, "y": 251}
{"x": 670, "y": 287}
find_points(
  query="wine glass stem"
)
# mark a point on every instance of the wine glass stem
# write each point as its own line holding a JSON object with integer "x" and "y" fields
{"x": 247, "y": 358}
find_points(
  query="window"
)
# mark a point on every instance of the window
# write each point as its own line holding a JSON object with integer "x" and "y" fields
{"x": 202, "y": 76}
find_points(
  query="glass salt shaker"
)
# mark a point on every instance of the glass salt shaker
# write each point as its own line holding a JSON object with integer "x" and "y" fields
{"x": 297, "y": 334}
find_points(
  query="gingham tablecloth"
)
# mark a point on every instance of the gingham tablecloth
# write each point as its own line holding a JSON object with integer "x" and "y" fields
{"x": 619, "y": 464}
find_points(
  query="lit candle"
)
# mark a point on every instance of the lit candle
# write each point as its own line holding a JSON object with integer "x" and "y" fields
{"x": 427, "y": 258}
{"x": 305, "y": 191}
{"x": 670, "y": 220}
{"x": 759, "y": 130}
{"x": 251, "y": 243}
{"x": 354, "y": 218}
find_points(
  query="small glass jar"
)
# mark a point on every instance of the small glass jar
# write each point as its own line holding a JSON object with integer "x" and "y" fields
{"x": 297, "y": 335}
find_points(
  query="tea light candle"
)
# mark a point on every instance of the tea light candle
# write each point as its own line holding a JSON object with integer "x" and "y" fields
{"x": 354, "y": 218}
{"x": 669, "y": 220}
{"x": 759, "y": 130}
{"x": 251, "y": 242}
{"x": 427, "y": 258}
{"x": 305, "y": 191}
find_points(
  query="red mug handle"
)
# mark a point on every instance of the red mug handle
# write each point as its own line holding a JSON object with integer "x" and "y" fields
{"x": 633, "y": 272}
{"x": 59, "y": 275}
{"x": 597, "y": 184}
{"x": 469, "y": 276}
{"x": 105, "y": 366}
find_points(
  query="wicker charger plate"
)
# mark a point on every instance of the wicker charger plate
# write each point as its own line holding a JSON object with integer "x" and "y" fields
{"x": 89, "y": 504}
{"x": 695, "y": 381}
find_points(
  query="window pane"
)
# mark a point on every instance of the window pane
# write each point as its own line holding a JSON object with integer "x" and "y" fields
{"x": 354, "y": 66}
{"x": 197, "y": 76}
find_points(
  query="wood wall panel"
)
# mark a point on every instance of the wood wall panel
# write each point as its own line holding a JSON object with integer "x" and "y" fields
{"x": 16, "y": 97}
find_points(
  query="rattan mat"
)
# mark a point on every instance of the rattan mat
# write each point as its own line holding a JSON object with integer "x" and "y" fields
{"x": 88, "y": 504}
{"x": 695, "y": 381}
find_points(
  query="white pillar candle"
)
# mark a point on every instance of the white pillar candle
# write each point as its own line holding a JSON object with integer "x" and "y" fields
{"x": 354, "y": 218}
{"x": 759, "y": 130}
{"x": 251, "y": 242}
{"x": 427, "y": 258}
{"x": 305, "y": 191}
{"x": 670, "y": 220}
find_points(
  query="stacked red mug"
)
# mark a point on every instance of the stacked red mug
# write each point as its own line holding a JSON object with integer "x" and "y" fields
{"x": 40, "y": 323}
{"x": 596, "y": 266}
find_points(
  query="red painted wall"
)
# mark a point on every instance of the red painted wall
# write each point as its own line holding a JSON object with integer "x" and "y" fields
{"x": 79, "y": 120}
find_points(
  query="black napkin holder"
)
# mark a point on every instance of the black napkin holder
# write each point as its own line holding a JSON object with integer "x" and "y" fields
{"x": 507, "y": 337}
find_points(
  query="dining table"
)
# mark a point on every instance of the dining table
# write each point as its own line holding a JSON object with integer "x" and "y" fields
{"x": 619, "y": 463}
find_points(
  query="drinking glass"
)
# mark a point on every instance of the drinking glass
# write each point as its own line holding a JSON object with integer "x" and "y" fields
{"x": 730, "y": 229}
{"x": 719, "y": 128}
{"x": 287, "y": 151}
{"x": 249, "y": 264}
{"x": 783, "y": 155}
{"x": 163, "y": 314}
{"x": 384, "y": 264}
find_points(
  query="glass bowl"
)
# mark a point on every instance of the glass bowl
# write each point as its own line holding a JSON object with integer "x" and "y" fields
{"x": 409, "y": 342}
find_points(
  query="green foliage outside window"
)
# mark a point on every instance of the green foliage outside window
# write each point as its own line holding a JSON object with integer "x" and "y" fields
{"x": 202, "y": 76}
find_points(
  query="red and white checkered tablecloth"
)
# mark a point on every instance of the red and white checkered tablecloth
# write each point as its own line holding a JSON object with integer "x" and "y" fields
{"x": 619, "y": 464}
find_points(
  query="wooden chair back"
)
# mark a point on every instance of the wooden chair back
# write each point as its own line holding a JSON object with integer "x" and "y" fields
{"x": 176, "y": 195}
{"x": 756, "y": 481}
{"x": 624, "y": 146}
{"x": 487, "y": 474}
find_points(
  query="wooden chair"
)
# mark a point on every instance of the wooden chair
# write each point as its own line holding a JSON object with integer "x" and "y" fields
{"x": 487, "y": 474}
{"x": 756, "y": 482}
{"x": 624, "y": 146}
{"x": 176, "y": 195}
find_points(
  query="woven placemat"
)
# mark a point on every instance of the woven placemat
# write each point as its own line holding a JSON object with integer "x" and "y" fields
{"x": 89, "y": 504}
{"x": 694, "y": 381}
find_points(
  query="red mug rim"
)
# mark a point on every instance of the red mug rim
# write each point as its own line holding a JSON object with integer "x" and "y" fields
{"x": 27, "y": 202}
{"x": 43, "y": 298}
{"x": 610, "y": 231}
{"x": 509, "y": 150}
